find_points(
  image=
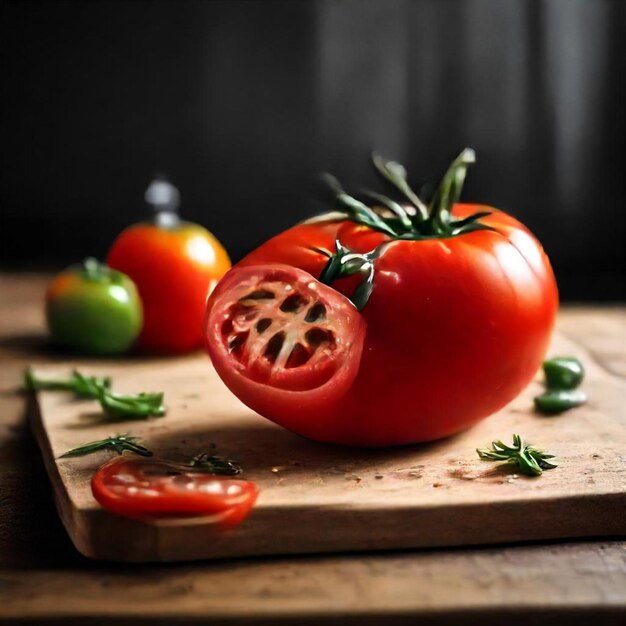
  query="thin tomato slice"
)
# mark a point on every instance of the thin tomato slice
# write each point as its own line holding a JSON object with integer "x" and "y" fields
{"x": 279, "y": 338}
{"x": 151, "y": 488}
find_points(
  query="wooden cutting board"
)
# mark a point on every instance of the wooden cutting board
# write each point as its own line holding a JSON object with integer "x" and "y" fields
{"x": 321, "y": 498}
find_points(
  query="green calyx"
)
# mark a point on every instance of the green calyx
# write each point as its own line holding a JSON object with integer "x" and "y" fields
{"x": 91, "y": 269}
{"x": 344, "y": 262}
{"x": 417, "y": 219}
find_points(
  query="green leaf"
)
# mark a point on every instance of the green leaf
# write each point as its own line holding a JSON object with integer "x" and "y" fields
{"x": 395, "y": 174}
{"x": 361, "y": 213}
{"x": 449, "y": 191}
{"x": 394, "y": 207}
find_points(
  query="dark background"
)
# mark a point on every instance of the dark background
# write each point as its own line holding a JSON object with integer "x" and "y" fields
{"x": 241, "y": 103}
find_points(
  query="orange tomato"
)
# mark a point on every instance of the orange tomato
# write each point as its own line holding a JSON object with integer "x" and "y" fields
{"x": 175, "y": 267}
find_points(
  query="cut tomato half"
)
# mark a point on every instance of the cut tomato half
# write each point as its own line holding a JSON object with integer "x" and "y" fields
{"x": 279, "y": 338}
{"x": 144, "y": 488}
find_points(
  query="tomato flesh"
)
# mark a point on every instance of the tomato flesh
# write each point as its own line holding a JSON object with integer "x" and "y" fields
{"x": 277, "y": 336}
{"x": 143, "y": 488}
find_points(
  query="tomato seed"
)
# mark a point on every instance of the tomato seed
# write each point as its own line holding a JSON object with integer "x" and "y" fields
{"x": 259, "y": 294}
{"x": 293, "y": 303}
{"x": 273, "y": 346}
{"x": 263, "y": 324}
{"x": 317, "y": 336}
{"x": 316, "y": 313}
{"x": 236, "y": 343}
{"x": 299, "y": 356}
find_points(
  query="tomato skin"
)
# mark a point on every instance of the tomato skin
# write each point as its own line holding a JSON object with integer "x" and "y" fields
{"x": 314, "y": 389}
{"x": 174, "y": 269}
{"x": 158, "y": 497}
{"x": 456, "y": 328}
{"x": 99, "y": 314}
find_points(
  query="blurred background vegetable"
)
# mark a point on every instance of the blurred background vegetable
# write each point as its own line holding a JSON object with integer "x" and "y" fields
{"x": 93, "y": 309}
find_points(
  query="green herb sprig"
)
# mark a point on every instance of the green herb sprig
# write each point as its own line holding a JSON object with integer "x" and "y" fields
{"x": 82, "y": 386}
{"x": 116, "y": 443}
{"x": 529, "y": 460}
{"x": 114, "y": 405}
{"x": 215, "y": 465}
{"x": 139, "y": 406}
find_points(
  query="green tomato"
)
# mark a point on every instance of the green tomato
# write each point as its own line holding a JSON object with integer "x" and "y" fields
{"x": 94, "y": 309}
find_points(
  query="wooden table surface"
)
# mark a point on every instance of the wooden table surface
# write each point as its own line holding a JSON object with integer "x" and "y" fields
{"x": 44, "y": 580}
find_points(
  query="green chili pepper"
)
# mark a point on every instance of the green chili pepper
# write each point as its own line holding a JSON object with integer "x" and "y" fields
{"x": 556, "y": 401}
{"x": 563, "y": 373}
{"x": 141, "y": 405}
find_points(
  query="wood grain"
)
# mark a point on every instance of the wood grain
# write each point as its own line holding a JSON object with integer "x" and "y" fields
{"x": 319, "y": 498}
{"x": 515, "y": 585}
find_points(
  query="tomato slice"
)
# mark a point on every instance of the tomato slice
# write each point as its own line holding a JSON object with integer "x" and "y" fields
{"x": 279, "y": 338}
{"x": 151, "y": 488}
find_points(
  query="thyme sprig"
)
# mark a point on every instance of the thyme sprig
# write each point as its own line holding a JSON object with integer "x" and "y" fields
{"x": 529, "y": 460}
{"x": 215, "y": 465}
{"x": 116, "y": 443}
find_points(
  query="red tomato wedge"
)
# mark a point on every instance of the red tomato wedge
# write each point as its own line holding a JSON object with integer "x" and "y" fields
{"x": 281, "y": 340}
{"x": 141, "y": 488}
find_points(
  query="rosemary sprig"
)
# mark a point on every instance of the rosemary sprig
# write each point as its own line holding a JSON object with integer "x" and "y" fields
{"x": 215, "y": 465}
{"x": 116, "y": 443}
{"x": 528, "y": 459}
{"x": 114, "y": 405}
{"x": 141, "y": 405}
{"x": 82, "y": 386}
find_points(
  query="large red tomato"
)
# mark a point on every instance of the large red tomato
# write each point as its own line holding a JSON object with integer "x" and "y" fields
{"x": 458, "y": 321}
